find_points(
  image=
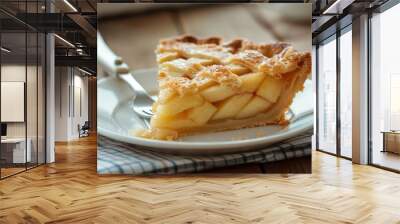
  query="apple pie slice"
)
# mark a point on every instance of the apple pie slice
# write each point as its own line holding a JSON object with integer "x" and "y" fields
{"x": 206, "y": 85}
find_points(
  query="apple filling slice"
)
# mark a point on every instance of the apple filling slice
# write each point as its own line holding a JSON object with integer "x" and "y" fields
{"x": 207, "y": 86}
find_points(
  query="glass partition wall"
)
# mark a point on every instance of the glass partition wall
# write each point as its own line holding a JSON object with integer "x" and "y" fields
{"x": 22, "y": 78}
{"x": 334, "y": 87}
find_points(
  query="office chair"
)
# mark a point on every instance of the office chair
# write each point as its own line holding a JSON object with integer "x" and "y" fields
{"x": 84, "y": 130}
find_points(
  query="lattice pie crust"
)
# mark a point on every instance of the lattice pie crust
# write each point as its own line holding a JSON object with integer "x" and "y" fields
{"x": 206, "y": 85}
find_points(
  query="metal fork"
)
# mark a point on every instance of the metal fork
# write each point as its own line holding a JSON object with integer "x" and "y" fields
{"x": 114, "y": 66}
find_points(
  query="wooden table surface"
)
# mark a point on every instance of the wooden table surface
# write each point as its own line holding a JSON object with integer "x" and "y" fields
{"x": 70, "y": 191}
{"x": 134, "y": 37}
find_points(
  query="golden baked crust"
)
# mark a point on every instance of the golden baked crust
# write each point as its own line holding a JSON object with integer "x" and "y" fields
{"x": 232, "y": 85}
{"x": 272, "y": 59}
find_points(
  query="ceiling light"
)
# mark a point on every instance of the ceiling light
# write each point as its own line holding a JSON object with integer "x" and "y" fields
{"x": 79, "y": 51}
{"x": 333, "y": 6}
{"x": 84, "y": 71}
{"x": 5, "y": 50}
{"x": 337, "y": 7}
{"x": 65, "y": 41}
{"x": 70, "y": 5}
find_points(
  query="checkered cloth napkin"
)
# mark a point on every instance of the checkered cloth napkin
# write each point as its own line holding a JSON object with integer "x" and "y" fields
{"x": 114, "y": 157}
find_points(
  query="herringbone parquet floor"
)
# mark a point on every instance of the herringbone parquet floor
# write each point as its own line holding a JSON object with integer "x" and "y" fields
{"x": 70, "y": 191}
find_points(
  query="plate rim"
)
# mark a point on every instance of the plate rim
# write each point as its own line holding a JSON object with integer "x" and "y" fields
{"x": 200, "y": 145}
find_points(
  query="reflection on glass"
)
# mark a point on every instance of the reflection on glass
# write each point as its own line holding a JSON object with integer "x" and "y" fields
{"x": 385, "y": 85}
{"x": 346, "y": 94}
{"x": 394, "y": 101}
{"x": 327, "y": 96}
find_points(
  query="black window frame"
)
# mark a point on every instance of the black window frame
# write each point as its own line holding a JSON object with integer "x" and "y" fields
{"x": 336, "y": 31}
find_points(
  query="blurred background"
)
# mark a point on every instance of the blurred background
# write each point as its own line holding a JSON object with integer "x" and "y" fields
{"x": 133, "y": 30}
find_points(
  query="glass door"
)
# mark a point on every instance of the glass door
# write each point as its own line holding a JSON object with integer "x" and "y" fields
{"x": 334, "y": 86}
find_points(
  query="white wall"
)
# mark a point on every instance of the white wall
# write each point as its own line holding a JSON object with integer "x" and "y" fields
{"x": 81, "y": 84}
{"x": 12, "y": 73}
{"x": 70, "y": 83}
{"x": 62, "y": 81}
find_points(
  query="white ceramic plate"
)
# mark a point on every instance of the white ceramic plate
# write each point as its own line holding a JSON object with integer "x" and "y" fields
{"x": 116, "y": 120}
